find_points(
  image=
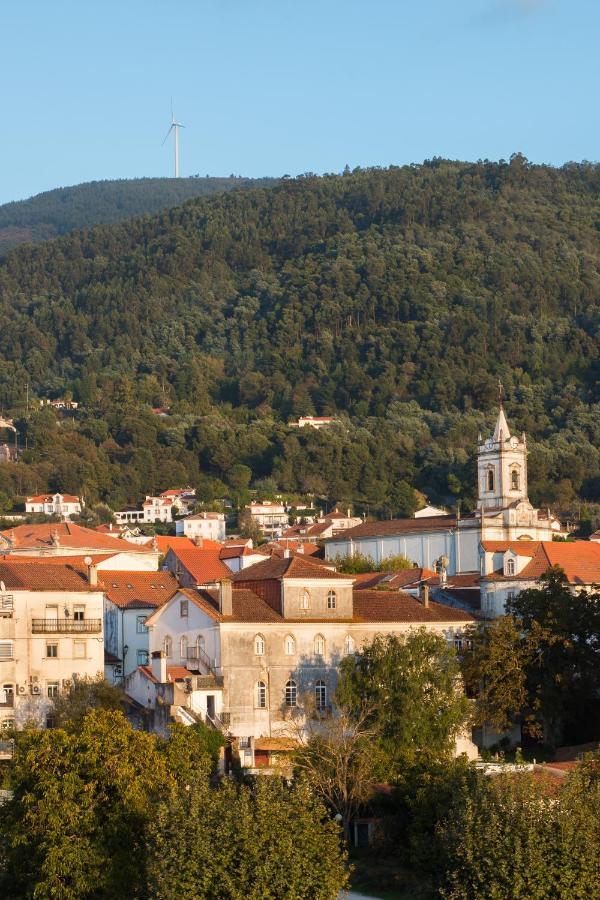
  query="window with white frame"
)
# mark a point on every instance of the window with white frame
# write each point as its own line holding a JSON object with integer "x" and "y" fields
{"x": 319, "y": 645}
{"x": 52, "y": 689}
{"x": 291, "y": 693}
{"x": 348, "y": 645}
{"x": 510, "y": 567}
{"x": 261, "y": 695}
{"x": 259, "y": 645}
{"x": 78, "y": 613}
{"x": 168, "y": 646}
{"x": 183, "y": 646}
{"x": 320, "y": 694}
{"x": 52, "y": 650}
{"x": 289, "y": 645}
{"x": 79, "y": 650}
{"x": 6, "y": 649}
{"x": 331, "y": 599}
{"x": 305, "y": 599}
{"x": 140, "y": 624}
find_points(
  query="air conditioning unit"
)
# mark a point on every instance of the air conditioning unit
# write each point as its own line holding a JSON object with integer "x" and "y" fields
{"x": 21, "y": 689}
{"x": 36, "y": 689}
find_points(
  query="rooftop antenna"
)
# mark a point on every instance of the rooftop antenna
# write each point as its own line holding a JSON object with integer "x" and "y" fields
{"x": 174, "y": 127}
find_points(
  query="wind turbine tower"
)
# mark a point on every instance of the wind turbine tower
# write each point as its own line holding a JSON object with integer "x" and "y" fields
{"x": 174, "y": 127}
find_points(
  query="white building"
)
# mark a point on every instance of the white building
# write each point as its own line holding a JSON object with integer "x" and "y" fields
{"x": 129, "y": 598}
{"x": 503, "y": 513}
{"x": 206, "y": 525}
{"x": 62, "y": 505}
{"x": 183, "y": 499}
{"x": 50, "y": 631}
{"x": 511, "y": 567}
{"x": 316, "y": 422}
{"x": 279, "y": 633}
{"x": 154, "y": 509}
{"x": 272, "y": 518}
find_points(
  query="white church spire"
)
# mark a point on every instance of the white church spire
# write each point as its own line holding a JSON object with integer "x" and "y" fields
{"x": 501, "y": 431}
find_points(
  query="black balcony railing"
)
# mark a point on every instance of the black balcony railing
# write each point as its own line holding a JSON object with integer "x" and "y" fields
{"x": 66, "y": 626}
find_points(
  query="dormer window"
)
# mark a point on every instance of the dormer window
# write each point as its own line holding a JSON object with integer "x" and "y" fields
{"x": 510, "y": 567}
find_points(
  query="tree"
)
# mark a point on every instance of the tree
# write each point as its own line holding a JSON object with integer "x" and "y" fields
{"x": 337, "y": 756}
{"x": 413, "y": 687}
{"x": 85, "y": 693}
{"x": 265, "y": 841}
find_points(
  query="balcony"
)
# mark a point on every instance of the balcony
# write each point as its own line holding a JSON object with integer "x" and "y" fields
{"x": 66, "y": 626}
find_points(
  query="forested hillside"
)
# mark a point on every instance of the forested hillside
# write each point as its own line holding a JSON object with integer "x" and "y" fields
{"x": 394, "y": 299}
{"x": 63, "y": 210}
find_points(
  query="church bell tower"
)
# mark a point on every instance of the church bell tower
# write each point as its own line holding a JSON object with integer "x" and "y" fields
{"x": 501, "y": 468}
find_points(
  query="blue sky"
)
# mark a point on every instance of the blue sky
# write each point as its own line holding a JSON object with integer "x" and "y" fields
{"x": 267, "y": 87}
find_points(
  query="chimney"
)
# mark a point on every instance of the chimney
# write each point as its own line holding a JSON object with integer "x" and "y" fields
{"x": 159, "y": 666}
{"x": 286, "y": 552}
{"x": 199, "y": 541}
{"x": 226, "y": 597}
{"x": 348, "y": 512}
{"x": 425, "y": 595}
{"x": 93, "y": 575}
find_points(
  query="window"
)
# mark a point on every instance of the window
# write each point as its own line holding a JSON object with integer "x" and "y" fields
{"x": 79, "y": 650}
{"x": 514, "y": 480}
{"x": 510, "y": 595}
{"x": 52, "y": 689}
{"x": 510, "y": 567}
{"x": 140, "y": 624}
{"x": 490, "y": 480}
{"x": 6, "y": 649}
{"x": 7, "y": 724}
{"x": 348, "y": 645}
{"x": 7, "y": 695}
{"x": 52, "y": 651}
{"x": 259, "y": 645}
{"x": 168, "y": 646}
{"x": 78, "y": 613}
{"x": 321, "y": 694}
{"x": 319, "y": 645}
{"x": 331, "y": 600}
{"x": 289, "y": 645}
{"x": 291, "y": 693}
{"x": 200, "y": 645}
{"x": 261, "y": 695}
{"x": 183, "y": 645}
{"x": 142, "y": 658}
{"x": 183, "y": 609}
{"x": 305, "y": 599}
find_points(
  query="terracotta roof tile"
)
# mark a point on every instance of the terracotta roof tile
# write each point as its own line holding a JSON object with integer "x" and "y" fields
{"x": 521, "y": 548}
{"x": 580, "y": 561}
{"x": 203, "y": 563}
{"x": 135, "y": 590}
{"x": 290, "y": 567}
{"x": 398, "y": 606}
{"x": 69, "y": 536}
{"x": 48, "y": 498}
{"x": 401, "y": 579}
{"x": 35, "y": 576}
{"x": 164, "y": 541}
{"x": 396, "y": 526}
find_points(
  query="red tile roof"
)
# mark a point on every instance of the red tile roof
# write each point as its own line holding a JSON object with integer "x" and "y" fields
{"x": 135, "y": 590}
{"x": 48, "y": 498}
{"x": 70, "y": 536}
{"x": 521, "y": 548}
{"x": 295, "y": 566}
{"x": 580, "y": 561}
{"x": 202, "y": 563}
{"x": 397, "y": 606}
{"x": 396, "y": 526}
{"x": 164, "y": 541}
{"x": 400, "y": 579}
{"x": 35, "y": 576}
{"x": 235, "y": 552}
{"x": 174, "y": 673}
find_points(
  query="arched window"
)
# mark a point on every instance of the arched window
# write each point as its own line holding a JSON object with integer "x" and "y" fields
{"x": 200, "y": 645}
{"x": 261, "y": 695}
{"x": 490, "y": 479}
{"x": 305, "y": 599}
{"x": 510, "y": 567}
{"x": 183, "y": 646}
{"x": 259, "y": 645}
{"x": 515, "y": 480}
{"x": 348, "y": 645}
{"x": 291, "y": 693}
{"x": 289, "y": 645}
{"x": 319, "y": 645}
{"x": 320, "y": 694}
{"x": 331, "y": 600}
{"x": 168, "y": 646}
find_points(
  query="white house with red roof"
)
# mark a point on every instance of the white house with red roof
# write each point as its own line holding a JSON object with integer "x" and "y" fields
{"x": 276, "y": 633}
{"x": 51, "y": 631}
{"x": 62, "y": 505}
{"x": 209, "y": 525}
{"x": 271, "y": 517}
{"x": 516, "y": 566}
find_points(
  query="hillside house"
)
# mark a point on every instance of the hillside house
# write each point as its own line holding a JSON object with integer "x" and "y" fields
{"x": 62, "y": 505}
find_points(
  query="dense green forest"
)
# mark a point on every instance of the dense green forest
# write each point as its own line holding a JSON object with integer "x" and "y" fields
{"x": 65, "y": 209}
{"x": 394, "y": 299}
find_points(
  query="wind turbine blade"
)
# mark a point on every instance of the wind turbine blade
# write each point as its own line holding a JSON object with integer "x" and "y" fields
{"x": 167, "y": 135}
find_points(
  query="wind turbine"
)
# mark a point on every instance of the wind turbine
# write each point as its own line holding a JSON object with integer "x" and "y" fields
{"x": 175, "y": 126}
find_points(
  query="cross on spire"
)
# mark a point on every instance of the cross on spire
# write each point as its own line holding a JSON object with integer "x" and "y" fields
{"x": 500, "y": 391}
